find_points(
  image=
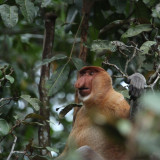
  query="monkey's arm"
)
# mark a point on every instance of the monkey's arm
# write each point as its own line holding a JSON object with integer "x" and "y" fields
{"x": 137, "y": 83}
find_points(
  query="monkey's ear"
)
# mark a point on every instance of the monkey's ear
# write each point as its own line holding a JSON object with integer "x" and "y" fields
{"x": 137, "y": 83}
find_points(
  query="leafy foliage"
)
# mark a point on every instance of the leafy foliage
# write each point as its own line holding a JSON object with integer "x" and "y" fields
{"x": 135, "y": 30}
{"x": 122, "y": 35}
{"x": 33, "y": 101}
{"x": 4, "y": 129}
{"x": 9, "y": 15}
{"x": 28, "y": 9}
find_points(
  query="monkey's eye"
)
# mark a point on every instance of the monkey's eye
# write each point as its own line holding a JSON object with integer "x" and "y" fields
{"x": 91, "y": 73}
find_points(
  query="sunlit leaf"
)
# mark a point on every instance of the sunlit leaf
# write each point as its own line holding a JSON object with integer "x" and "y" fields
{"x": 9, "y": 15}
{"x": 4, "y": 127}
{"x": 103, "y": 45}
{"x": 58, "y": 80}
{"x": 28, "y": 9}
{"x": 52, "y": 149}
{"x": 135, "y": 30}
{"x": 10, "y": 78}
{"x": 156, "y": 11}
{"x": 146, "y": 46}
{"x": 33, "y": 101}
{"x": 78, "y": 63}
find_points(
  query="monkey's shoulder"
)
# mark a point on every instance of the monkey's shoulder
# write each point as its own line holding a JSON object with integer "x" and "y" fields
{"x": 117, "y": 104}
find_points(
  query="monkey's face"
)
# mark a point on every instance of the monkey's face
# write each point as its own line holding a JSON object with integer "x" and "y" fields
{"x": 84, "y": 81}
{"x": 92, "y": 82}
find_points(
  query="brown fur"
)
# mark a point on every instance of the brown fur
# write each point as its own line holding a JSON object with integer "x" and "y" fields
{"x": 104, "y": 103}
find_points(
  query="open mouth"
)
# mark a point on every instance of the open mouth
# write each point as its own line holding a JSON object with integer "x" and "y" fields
{"x": 84, "y": 91}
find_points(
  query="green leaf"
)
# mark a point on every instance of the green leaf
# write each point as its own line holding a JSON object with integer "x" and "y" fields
{"x": 33, "y": 123}
{"x": 103, "y": 45}
{"x": 9, "y": 15}
{"x": 135, "y": 30}
{"x": 34, "y": 115}
{"x": 146, "y": 46}
{"x": 28, "y": 9}
{"x": 78, "y": 63}
{"x": 52, "y": 149}
{"x": 56, "y": 57}
{"x": 33, "y": 101}
{"x": 156, "y": 11}
{"x": 10, "y": 78}
{"x": 4, "y": 127}
{"x": 45, "y": 3}
{"x": 58, "y": 80}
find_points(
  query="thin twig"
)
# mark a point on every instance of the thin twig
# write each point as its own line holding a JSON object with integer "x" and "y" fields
{"x": 119, "y": 70}
{"x": 9, "y": 99}
{"x": 133, "y": 46}
{"x": 13, "y": 146}
{"x": 122, "y": 53}
{"x": 154, "y": 76}
{"x": 130, "y": 59}
{"x": 154, "y": 83}
{"x": 20, "y": 152}
{"x": 117, "y": 76}
{"x": 145, "y": 37}
{"x": 18, "y": 123}
{"x": 5, "y": 99}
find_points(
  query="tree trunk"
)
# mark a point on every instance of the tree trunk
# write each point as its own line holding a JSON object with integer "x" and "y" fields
{"x": 44, "y": 131}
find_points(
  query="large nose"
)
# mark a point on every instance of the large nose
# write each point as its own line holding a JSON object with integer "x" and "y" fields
{"x": 80, "y": 82}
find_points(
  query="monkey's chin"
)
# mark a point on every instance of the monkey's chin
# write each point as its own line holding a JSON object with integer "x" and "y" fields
{"x": 83, "y": 98}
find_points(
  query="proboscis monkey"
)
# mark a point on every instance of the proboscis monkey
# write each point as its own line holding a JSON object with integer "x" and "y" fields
{"x": 101, "y": 103}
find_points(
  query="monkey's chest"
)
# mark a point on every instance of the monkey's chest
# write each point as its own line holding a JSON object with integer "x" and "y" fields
{"x": 88, "y": 135}
{"x": 95, "y": 138}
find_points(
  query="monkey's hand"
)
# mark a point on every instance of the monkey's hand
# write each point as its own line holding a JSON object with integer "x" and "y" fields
{"x": 137, "y": 83}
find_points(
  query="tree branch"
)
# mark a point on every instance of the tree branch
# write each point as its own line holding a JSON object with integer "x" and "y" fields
{"x": 130, "y": 59}
{"x": 154, "y": 76}
{"x": 13, "y": 146}
{"x": 118, "y": 69}
{"x": 6, "y": 99}
{"x": 155, "y": 81}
